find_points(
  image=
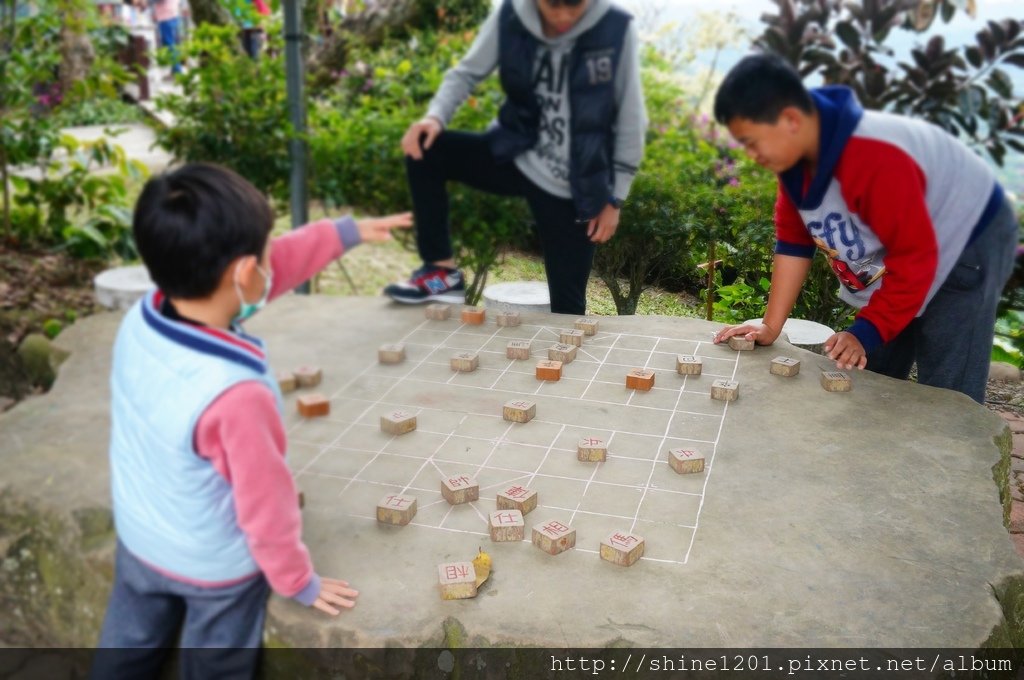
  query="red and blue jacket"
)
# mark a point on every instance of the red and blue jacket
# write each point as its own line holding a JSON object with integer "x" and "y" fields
{"x": 892, "y": 205}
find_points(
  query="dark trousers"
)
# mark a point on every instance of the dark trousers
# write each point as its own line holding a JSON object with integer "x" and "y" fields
{"x": 952, "y": 341}
{"x": 466, "y": 157}
{"x": 221, "y": 629}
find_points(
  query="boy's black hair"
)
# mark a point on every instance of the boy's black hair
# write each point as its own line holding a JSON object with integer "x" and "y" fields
{"x": 192, "y": 222}
{"x": 568, "y": 3}
{"x": 758, "y": 88}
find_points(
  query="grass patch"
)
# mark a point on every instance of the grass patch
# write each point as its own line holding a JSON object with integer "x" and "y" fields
{"x": 370, "y": 267}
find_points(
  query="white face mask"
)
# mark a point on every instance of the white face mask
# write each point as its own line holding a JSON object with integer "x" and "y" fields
{"x": 247, "y": 309}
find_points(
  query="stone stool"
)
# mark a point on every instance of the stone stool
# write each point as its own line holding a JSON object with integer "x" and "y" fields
{"x": 120, "y": 287}
{"x": 804, "y": 334}
{"x": 518, "y": 296}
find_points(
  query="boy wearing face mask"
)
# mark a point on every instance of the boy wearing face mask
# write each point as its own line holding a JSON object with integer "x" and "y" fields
{"x": 205, "y": 507}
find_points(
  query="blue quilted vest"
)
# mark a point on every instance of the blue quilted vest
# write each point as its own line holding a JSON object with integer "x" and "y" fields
{"x": 172, "y": 509}
{"x": 594, "y": 62}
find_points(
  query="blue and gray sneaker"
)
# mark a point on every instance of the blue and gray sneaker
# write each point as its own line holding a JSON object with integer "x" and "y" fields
{"x": 429, "y": 283}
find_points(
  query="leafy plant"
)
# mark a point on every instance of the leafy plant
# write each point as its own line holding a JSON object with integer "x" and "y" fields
{"x": 1009, "y": 341}
{"x": 51, "y": 193}
{"x": 24, "y": 61}
{"x": 98, "y": 111}
{"x": 740, "y": 301}
{"x": 68, "y": 188}
{"x": 232, "y": 109}
{"x": 52, "y": 328}
{"x": 966, "y": 90}
{"x": 651, "y": 238}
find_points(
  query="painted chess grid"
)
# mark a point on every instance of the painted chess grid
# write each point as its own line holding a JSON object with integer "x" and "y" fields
{"x": 460, "y": 430}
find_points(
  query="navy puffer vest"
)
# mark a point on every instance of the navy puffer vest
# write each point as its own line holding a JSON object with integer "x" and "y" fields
{"x": 594, "y": 62}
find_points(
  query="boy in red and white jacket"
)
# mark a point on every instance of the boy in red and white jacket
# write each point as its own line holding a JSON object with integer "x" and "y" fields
{"x": 913, "y": 223}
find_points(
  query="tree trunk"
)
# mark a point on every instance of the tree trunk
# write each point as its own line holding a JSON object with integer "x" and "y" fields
{"x": 371, "y": 25}
{"x": 76, "y": 51}
{"x": 613, "y": 287}
{"x": 209, "y": 12}
{"x": 711, "y": 280}
{"x": 7, "y": 195}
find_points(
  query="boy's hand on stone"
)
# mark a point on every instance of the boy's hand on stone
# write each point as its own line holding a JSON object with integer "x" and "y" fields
{"x": 335, "y": 593}
{"x": 845, "y": 349}
{"x": 379, "y": 228}
{"x": 602, "y": 228}
{"x": 762, "y": 334}
{"x": 425, "y": 130}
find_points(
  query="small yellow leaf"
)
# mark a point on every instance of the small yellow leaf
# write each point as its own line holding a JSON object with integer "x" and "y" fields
{"x": 482, "y": 565}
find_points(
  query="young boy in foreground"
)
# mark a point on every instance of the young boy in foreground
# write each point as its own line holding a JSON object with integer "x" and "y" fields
{"x": 205, "y": 507}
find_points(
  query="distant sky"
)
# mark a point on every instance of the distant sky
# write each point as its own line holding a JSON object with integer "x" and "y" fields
{"x": 959, "y": 31}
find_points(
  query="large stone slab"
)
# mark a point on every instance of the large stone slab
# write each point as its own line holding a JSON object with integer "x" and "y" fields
{"x": 821, "y": 519}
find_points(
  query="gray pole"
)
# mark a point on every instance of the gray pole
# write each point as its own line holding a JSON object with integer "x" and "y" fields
{"x": 296, "y": 75}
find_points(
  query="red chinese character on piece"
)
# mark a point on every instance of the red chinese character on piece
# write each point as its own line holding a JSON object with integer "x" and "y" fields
{"x": 505, "y": 518}
{"x": 590, "y": 441}
{"x": 398, "y": 415}
{"x": 396, "y": 501}
{"x": 459, "y": 481}
{"x": 625, "y": 541}
{"x": 516, "y": 492}
{"x": 452, "y": 571}
{"x": 555, "y": 528}
{"x": 519, "y": 404}
{"x": 687, "y": 453}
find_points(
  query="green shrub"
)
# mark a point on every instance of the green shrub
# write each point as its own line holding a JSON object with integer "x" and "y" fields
{"x": 73, "y": 207}
{"x": 968, "y": 90}
{"x": 52, "y": 328}
{"x": 652, "y": 238}
{"x": 739, "y": 301}
{"x": 232, "y": 109}
{"x": 1009, "y": 345}
{"x": 99, "y": 111}
{"x": 54, "y": 197}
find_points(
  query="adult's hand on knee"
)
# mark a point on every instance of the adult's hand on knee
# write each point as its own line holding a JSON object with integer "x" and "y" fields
{"x": 424, "y": 130}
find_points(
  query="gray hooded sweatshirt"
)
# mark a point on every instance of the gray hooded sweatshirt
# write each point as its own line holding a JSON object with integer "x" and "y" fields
{"x": 547, "y": 164}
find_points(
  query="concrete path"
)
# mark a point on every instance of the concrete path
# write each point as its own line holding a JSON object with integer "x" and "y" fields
{"x": 137, "y": 139}
{"x": 821, "y": 519}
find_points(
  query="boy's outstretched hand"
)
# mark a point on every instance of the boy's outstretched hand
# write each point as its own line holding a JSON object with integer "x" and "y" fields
{"x": 333, "y": 594}
{"x": 379, "y": 228}
{"x": 845, "y": 349}
{"x": 762, "y": 334}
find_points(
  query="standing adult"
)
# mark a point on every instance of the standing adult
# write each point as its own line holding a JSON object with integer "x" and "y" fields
{"x": 568, "y": 138}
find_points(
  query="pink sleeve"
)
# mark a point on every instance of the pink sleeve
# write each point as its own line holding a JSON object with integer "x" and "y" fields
{"x": 242, "y": 435}
{"x": 298, "y": 255}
